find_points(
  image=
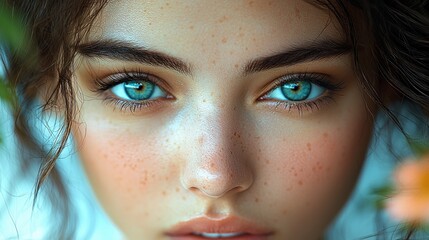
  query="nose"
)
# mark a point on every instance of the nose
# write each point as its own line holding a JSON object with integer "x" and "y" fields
{"x": 216, "y": 163}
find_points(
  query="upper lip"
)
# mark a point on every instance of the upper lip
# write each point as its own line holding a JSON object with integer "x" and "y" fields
{"x": 230, "y": 224}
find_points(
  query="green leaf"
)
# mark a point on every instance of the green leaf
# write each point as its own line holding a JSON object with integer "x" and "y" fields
{"x": 12, "y": 31}
{"x": 419, "y": 147}
{"x": 384, "y": 191}
{"x": 381, "y": 194}
{"x": 5, "y": 93}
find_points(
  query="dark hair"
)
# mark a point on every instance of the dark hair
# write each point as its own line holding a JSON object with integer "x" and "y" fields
{"x": 390, "y": 47}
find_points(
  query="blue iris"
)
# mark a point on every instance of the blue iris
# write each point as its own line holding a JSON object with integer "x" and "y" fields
{"x": 297, "y": 90}
{"x": 139, "y": 90}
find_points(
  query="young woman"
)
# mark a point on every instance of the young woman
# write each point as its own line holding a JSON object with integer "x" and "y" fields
{"x": 217, "y": 119}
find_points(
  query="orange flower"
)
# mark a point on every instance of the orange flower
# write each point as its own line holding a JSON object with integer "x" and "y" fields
{"x": 410, "y": 203}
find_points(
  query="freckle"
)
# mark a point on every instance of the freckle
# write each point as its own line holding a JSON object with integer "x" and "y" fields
{"x": 265, "y": 183}
{"x": 164, "y": 193}
{"x": 184, "y": 198}
{"x": 300, "y": 182}
{"x": 191, "y": 27}
{"x": 325, "y": 135}
{"x": 254, "y": 39}
{"x": 236, "y": 65}
{"x": 284, "y": 212}
{"x": 231, "y": 52}
{"x": 177, "y": 189}
{"x": 224, "y": 40}
{"x": 246, "y": 49}
{"x": 297, "y": 13}
{"x": 256, "y": 199}
{"x": 295, "y": 174}
{"x": 214, "y": 62}
{"x": 150, "y": 23}
{"x": 213, "y": 35}
{"x": 223, "y": 19}
{"x": 212, "y": 165}
{"x": 267, "y": 162}
{"x": 251, "y": 3}
{"x": 309, "y": 147}
{"x": 204, "y": 100}
{"x": 167, "y": 4}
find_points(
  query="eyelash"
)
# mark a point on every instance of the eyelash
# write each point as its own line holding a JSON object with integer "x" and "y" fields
{"x": 321, "y": 80}
{"x": 105, "y": 84}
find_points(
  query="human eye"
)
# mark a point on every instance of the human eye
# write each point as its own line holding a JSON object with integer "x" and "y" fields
{"x": 302, "y": 92}
{"x": 131, "y": 91}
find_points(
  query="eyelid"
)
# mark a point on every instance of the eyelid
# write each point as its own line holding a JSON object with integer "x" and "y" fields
{"x": 317, "y": 78}
{"x": 103, "y": 84}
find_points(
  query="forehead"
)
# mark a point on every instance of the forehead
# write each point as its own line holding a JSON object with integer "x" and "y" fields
{"x": 192, "y": 29}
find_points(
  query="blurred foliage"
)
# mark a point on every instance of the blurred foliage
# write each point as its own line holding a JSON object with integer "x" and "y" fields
{"x": 419, "y": 147}
{"x": 13, "y": 38}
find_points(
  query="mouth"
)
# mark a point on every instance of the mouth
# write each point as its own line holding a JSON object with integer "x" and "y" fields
{"x": 230, "y": 228}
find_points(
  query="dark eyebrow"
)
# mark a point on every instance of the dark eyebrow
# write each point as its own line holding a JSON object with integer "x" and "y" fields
{"x": 307, "y": 52}
{"x": 127, "y": 51}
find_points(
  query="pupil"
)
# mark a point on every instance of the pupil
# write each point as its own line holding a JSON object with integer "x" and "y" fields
{"x": 295, "y": 87}
{"x": 297, "y": 91}
{"x": 138, "y": 90}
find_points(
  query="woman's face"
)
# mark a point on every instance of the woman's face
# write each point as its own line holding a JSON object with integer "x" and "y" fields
{"x": 229, "y": 117}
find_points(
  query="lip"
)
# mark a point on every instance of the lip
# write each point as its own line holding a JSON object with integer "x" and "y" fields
{"x": 187, "y": 230}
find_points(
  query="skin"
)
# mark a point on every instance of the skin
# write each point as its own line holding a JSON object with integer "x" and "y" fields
{"x": 214, "y": 148}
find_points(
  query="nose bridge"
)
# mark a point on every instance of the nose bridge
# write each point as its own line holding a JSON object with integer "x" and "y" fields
{"x": 214, "y": 165}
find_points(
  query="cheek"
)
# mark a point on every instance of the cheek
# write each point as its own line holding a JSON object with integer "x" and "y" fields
{"x": 311, "y": 173}
{"x": 124, "y": 168}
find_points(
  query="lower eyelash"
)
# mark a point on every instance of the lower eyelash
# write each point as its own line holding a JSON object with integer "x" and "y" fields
{"x": 129, "y": 106}
{"x": 303, "y": 107}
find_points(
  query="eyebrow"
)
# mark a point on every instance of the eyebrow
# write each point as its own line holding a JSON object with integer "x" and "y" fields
{"x": 307, "y": 52}
{"x": 127, "y": 51}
